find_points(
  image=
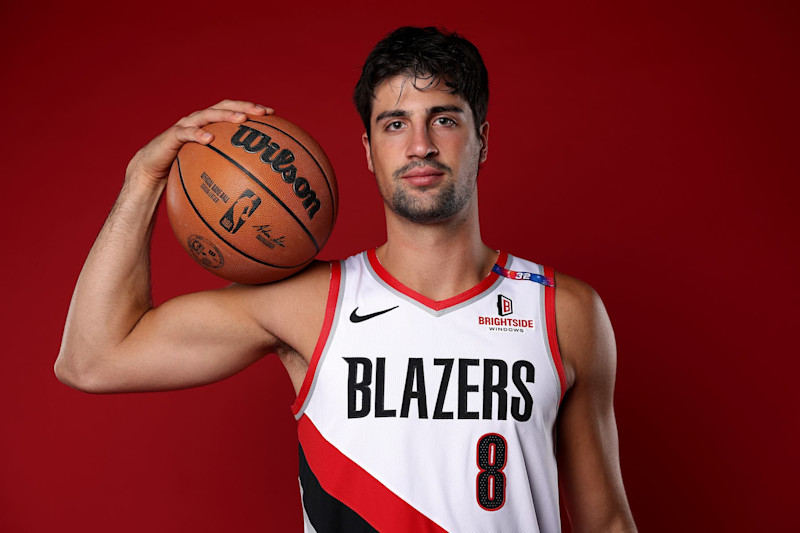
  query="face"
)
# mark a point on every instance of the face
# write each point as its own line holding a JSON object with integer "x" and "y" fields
{"x": 424, "y": 151}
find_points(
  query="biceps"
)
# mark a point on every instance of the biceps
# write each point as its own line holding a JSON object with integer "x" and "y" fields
{"x": 189, "y": 341}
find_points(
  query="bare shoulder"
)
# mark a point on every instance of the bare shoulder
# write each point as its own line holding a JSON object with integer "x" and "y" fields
{"x": 292, "y": 309}
{"x": 307, "y": 283}
{"x": 585, "y": 336}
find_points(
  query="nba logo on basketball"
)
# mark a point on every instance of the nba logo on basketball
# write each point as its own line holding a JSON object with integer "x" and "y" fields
{"x": 504, "y": 306}
{"x": 240, "y": 211}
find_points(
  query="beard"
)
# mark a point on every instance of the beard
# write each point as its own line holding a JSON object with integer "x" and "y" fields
{"x": 443, "y": 206}
{"x": 449, "y": 200}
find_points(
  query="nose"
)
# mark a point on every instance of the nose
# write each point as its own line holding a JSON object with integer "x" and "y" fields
{"x": 420, "y": 144}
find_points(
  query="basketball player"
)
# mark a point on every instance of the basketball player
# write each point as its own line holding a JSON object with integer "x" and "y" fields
{"x": 433, "y": 373}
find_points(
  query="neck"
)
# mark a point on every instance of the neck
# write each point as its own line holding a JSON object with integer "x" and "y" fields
{"x": 438, "y": 260}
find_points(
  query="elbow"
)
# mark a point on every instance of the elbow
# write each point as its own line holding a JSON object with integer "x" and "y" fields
{"x": 622, "y": 524}
{"x": 78, "y": 377}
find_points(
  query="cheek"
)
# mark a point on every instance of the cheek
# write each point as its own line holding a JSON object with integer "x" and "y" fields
{"x": 461, "y": 146}
{"x": 382, "y": 160}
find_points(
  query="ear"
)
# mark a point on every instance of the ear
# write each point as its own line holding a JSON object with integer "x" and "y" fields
{"x": 365, "y": 142}
{"x": 483, "y": 134}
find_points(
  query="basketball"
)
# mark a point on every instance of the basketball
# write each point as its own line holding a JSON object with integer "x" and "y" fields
{"x": 256, "y": 204}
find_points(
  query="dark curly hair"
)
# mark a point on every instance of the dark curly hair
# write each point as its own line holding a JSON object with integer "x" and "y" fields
{"x": 429, "y": 55}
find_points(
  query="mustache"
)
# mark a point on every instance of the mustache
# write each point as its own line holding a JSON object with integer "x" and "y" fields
{"x": 432, "y": 163}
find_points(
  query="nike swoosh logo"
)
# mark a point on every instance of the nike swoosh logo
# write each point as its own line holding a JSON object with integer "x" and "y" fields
{"x": 355, "y": 318}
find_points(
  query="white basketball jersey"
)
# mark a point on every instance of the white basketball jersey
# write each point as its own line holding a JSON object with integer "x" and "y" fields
{"x": 417, "y": 415}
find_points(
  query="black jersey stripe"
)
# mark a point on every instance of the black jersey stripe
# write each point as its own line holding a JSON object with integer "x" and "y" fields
{"x": 326, "y": 513}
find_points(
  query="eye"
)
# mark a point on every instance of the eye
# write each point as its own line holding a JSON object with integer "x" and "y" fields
{"x": 445, "y": 121}
{"x": 394, "y": 126}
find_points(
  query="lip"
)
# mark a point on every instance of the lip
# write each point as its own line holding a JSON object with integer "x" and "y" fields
{"x": 422, "y": 176}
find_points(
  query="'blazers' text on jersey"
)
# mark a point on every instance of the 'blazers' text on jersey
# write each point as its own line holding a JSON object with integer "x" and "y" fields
{"x": 418, "y": 415}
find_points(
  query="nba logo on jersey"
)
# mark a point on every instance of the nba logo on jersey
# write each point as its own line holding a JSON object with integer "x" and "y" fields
{"x": 504, "y": 306}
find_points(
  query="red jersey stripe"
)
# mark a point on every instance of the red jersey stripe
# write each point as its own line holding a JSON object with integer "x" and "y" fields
{"x": 346, "y": 481}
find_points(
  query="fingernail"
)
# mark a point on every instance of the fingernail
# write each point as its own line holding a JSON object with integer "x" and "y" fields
{"x": 238, "y": 114}
{"x": 206, "y": 136}
{"x": 261, "y": 107}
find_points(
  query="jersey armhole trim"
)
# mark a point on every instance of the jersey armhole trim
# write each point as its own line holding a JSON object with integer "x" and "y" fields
{"x": 552, "y": 332}
{"x": 330, "y": 313}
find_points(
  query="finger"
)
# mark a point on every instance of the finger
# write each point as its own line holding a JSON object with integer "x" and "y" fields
{"x": 244, "y": 106}
{"x": 177, "y": 136}
{"x": 202, "y": 118}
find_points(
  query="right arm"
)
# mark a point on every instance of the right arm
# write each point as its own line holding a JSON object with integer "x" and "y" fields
{"x": 115, "y": 341}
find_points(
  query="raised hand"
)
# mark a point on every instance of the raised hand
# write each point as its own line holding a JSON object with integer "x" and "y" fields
{"x": 152, "y": 163}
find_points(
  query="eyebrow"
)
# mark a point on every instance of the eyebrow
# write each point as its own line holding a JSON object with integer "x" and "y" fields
{"x": 395, "y": 113}
{"x": 400, "y": 113}
{"x": 445, "y": 109}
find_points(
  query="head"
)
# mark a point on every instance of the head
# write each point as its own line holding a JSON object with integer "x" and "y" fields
{"x": 423, "y": 96}
{"x": 426, "y": 56}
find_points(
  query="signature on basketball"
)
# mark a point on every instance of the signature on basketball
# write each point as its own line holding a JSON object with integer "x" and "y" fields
{"x": 266, "y": 237}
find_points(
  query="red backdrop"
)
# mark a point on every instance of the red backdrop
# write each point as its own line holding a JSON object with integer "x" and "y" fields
{"x": 648, "y": 148}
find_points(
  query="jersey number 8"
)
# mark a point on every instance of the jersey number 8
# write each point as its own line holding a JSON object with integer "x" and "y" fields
{"x": 491, "y": 482}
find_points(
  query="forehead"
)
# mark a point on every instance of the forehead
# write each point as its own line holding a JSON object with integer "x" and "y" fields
{"x": 414, "y": 95}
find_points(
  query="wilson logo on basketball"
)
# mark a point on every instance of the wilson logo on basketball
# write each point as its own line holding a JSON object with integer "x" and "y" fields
{"x": 280, "y": 160}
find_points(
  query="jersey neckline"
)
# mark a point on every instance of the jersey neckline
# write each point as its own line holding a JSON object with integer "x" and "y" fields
{"x": 435, "y": 305}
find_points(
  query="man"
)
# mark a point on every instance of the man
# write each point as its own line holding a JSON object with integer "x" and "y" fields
{"x": 433, "y": 373}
